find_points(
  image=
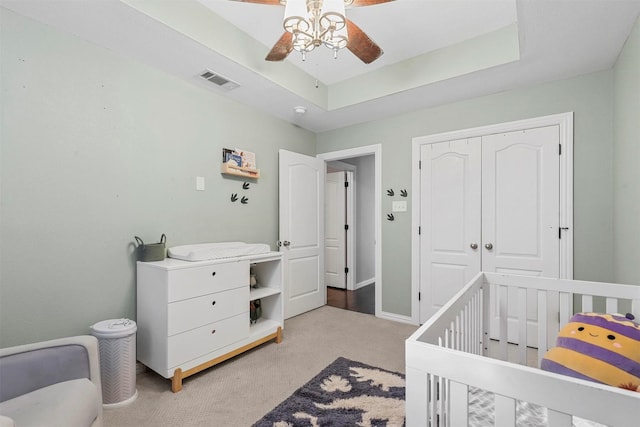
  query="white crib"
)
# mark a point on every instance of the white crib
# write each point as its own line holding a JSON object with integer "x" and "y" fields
{"x": 454, "y": 354}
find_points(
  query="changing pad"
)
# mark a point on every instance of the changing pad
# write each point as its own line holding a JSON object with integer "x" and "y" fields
{"x": 207, "y": 251}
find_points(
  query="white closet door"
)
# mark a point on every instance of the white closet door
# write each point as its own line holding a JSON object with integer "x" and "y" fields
{"x": 521, "y": 202}
{"x": 521, "y": 210}
{"x": 450, "y": 217}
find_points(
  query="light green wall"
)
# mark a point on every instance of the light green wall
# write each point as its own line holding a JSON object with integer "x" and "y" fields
{"x": 626, "y": 162}
{"x": 589, "y": 97}
{"x": 97, "y": 148}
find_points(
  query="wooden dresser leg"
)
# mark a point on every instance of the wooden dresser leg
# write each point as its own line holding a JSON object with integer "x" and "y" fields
{"x": 279, "y": 336}
{"x": 176, "y": 381}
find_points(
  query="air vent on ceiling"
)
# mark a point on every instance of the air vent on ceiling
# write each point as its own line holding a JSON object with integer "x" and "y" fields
{"x": 219, "y": 80}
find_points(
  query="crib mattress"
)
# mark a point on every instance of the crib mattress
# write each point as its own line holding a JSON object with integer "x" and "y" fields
{"x": 209, "y": 251}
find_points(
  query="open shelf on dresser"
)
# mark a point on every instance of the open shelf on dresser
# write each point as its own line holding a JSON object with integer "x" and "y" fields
{"x": 257, "y": 293}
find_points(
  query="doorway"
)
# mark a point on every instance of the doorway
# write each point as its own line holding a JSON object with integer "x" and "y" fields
{"x": 353, "y": 284}
{"x": 339, "y": 230}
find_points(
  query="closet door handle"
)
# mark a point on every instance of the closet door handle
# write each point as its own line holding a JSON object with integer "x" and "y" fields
{"x": 489, "y": 246}
{"x": 213, "y": 302}
{"x": 474, "y": 246}
{"x": 213, "y": 274}
{"x": 286, "y": 243}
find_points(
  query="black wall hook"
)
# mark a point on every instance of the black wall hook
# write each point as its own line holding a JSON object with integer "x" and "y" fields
{"x": 403, "y": 193}
{"x": 244, "y": 200}
{"x": 390, "y": 217}
{"x": 234, "y": 197}
{"x": 245, "y": 186}
{"x": 390, "y": 192}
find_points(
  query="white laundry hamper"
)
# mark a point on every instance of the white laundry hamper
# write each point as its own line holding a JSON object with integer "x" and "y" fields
{"x": 117, "y": 344}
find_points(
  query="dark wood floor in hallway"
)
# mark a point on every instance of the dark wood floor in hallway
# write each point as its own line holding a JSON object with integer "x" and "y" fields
{"x": 361, "y": 300}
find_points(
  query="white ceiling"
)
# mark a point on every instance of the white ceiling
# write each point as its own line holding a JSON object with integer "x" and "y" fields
{"x": 421, "y": 26}
{"x": 557, "y": 39}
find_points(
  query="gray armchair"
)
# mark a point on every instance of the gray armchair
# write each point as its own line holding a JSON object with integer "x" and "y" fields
{"x": 51, "y": 383}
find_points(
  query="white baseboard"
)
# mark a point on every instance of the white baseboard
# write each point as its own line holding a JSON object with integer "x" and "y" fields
{"x": 396, "y": 317}
{"x": 364, "y": 283}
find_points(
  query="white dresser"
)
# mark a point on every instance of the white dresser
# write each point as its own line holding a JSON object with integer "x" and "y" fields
{"x": 193, "y": 315}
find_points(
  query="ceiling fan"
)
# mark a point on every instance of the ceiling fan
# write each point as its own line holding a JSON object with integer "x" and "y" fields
{"x": 312, "y": 23}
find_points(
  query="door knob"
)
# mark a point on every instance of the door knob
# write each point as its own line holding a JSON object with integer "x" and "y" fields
{"x": 474, "y": 246}
{"x": 286, "y": 243}
{"x": 489, "y": 246}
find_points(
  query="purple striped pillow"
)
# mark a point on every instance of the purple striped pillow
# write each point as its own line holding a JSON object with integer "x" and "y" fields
{"x": 604, "y": 348}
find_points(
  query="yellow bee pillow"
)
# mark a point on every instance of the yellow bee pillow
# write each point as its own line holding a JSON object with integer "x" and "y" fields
{"x": 604, "y": 348}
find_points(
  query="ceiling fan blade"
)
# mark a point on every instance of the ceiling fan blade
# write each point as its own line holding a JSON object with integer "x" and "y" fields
{"x": 269, "y": 2}
{"x": 361, "y": 45}
{"x": 358, "y": 3}
{"x": 282, "y": 48}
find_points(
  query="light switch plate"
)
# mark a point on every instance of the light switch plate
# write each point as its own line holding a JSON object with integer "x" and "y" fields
{"x": 200, "y": 183}
{"x": 399, "y": 206}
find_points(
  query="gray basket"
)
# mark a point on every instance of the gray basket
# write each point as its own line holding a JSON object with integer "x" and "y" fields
{"x": 153, "y": 251}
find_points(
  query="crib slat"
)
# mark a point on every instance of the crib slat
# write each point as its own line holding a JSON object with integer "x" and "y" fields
{"x": 522, "y": 326}
{"x": 553, "y": 319}
{"x": 433, "y": 400}
{"x": 503, "y": 302}
{"x": 505, "y": 412}
{"x": 477, "y": 327}
{"x": 635, "y": 308}
{"x": 587, "y": 303}
{"x": 542, "y": 325}
{"x": 612, "y": 305}
{"x": 458, "y": 398}
{"x": 566, "y": 308}
{"x": 458, "y": 343}
{"x": 417, "y": 387}
{"x": 469, "y": 327}
{"x": 486, "y": 319}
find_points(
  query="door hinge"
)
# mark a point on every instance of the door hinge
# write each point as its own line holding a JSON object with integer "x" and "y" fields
{"x": 346, "y": 226}
{"x": 419, "y": 164}
{"x": 560, "y": 231}
{"x": 560, "y": 149}
{"x": 346, "y": 183}
{"x": 346, "y": 270}
{"x": 419, "y": 230}
{"x": 419, "y": 296}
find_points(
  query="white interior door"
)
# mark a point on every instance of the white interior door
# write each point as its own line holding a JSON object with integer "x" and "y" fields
{"x": 450, "y": 217}
{"x": 301, "y": 191}
{"x": 334, "y": 232}
{"x": 521, "y": 211}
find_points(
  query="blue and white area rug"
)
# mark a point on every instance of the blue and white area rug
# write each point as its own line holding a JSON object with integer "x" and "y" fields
{"x": 345, "y": 393}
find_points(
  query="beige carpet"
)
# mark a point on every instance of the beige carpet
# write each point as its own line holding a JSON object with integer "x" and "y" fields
{"x": 240, "y": 391}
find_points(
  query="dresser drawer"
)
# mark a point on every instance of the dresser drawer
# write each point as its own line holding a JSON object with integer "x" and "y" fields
{"x": 205, "y": 339}
{"x": 193, "y": 282}
{"x": 194, "y": 312}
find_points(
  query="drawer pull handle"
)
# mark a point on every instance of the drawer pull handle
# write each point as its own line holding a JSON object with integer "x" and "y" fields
{"x": 213, "y": 303}
{"x": 213, "y": 332}
{"x": 213, "y": 274}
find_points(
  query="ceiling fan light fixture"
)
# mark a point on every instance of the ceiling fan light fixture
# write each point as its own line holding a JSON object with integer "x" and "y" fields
{"x": 314, "y": 22}
{"x": 295, "y": 13}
